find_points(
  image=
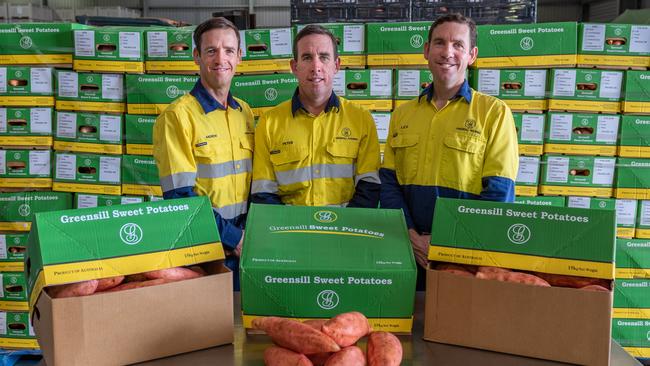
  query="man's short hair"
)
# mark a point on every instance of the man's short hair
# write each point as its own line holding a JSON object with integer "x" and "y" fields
{"x": 456, "y": 18}
{"x": 214, "y": 23}
{"x": 308, "y": 31}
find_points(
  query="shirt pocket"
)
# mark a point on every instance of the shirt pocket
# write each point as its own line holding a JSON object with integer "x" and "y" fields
{"x": 212, "y": 151}
{"x": 342, "y": 152}
{"x": 462, "y": 161}
{"x": 405, "y": 147}
{"x": 287, "y": 165}
{"x": 246, "y": 145}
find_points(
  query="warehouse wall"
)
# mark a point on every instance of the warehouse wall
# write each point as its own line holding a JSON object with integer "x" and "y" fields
{"x": 602, "y": 11}
{"x": 558, "y": 11}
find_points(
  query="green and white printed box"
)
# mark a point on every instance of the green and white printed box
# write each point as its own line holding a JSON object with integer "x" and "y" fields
{"x": 138, "y": 131}
{"x": 614, "y": 44}
{"x": 551, "y": 201}
{"x": 170, "y": 50}
{"x": 87, "y": 173}
{"x": 18, "y": 209}
{"x": 88, "y": 132}
{"x": 25, "y": 169}
{"x": 581, "y": 133}
{"x": 637, "y": 91}
{"x": 140, "y": 175}
{"x": 36, "y": 44}
{"x": 632, "y": 334}
{"x": 83, "y": 200}
{"x": 588, "y": 90}
{"x": 527, "y": 176}
{"x": 21, "y": 127}
{"x": 26, "y": 86}
{"x": 371, "y": 89}
{"x": 16, "y": 331}
{"x": 350, "y": 42}
{"x": 382, "y": 123}
{"x": 632, "y": 258}
{"x": 643, "y": 230}
{"x": 151, "y": 94}
{"x": 312, "y": 278}
{"x": 634, "y": 141}
{"x": 522, "y": 90}
{"x": 109, "y": 49}
{"x": 633, "y": 179}
{"x": 625, "y": 211}
{"x": 527, "y": 45}
{"x": 90, "y": 92}
{"x": 530, "y": 132}
{"x": 409, "y": 84}
{"x": 577, "y": 175}
{"x": 13, "y": 294}
{"x": 631, "y": 298}
{"x": 12, "y": 251}
{"x": 397, "y": 44}
{"x": 154, "y": 198}
{"x": 263, "y": 92}
{"x": 265, "y": 50}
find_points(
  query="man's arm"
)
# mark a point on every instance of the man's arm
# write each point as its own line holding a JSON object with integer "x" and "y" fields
{"x": 366, "y": 177}
{"x": 501, "y": 158}
{"x": 264, "y": 188}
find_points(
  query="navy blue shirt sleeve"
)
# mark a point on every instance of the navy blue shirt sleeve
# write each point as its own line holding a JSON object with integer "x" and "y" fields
{"x": 391, "y": 194}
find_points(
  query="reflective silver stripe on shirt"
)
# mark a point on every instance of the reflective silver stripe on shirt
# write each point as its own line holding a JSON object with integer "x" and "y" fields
{"x": 344, "y": 204}
{"x": 315, "y": 172}
{"x": 232, "y": 211}
{"x": 224, "y": 169}
{"x": 264, "y": 186}
{"x": 177, "y": 180}
{"x": 372, "y": 177}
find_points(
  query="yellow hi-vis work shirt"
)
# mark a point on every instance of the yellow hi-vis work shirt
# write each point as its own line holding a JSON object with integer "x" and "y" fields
{"x": 312, "y": 160}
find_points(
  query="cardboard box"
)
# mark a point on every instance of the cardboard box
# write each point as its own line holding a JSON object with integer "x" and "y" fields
{"x": 350, "y": 42}
{"x": 26, "y": 86}
{"x": 140, "y": 175}
{"x": 16, "y": 331}
{"x": 170, "y": 50}
{"x": 139, "y": 324}
{"x": 588, "y": 90}
{"x": 569, "y": 325}
{"x": 643, "y": 230}
{"x": 397, "y": 44}
{"x": 21, "y": 127}
{"x": 18, "y": 209}
{"x": 109, "y": 49}
{"x": 625, "y": 211}
{"x": 12, "y": 251}
{"x": 631, "y": 300}
{"x": 382, "y": 123}
{"x": 265, "y": 50}
{"x": 151, "y": 94}
{"x": 527, "y": 45}
{"x": 637, "y": 91}
{"x": 581, "y": 133}
{"x": 527, "y": 176}
{"x": 138, "y": 131}
{"x": 522, "y": 90}
{"x": 409, "y": 84}
{"x": 557, "y": 201}
{"x": 530, "y": 132}
{"x": 577, "y": 175}
{"x": 613, "y": 44}
{"x": 263, "y": 92}
{"x": 632, "y": 335}
{"x": 36, "y": 44}
{"x": 88, "y": 132}
{"x": 25, "y": 169}
{"x": 634, "y": 141}
{"x": 632, "y": 258}
{"x": 13, "y": 294}
{"x": 371, "y": 89}
{"x": 332, "y": 260}
{"x": 633, "y": 179}
{"x": 87, "y": 173}
{"x": 90, "y": 92}
{"x": 82, "y": 200}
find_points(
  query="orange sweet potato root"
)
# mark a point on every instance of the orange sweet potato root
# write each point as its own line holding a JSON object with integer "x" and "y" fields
{"x": 73, "y": 289}
{"x": 384, "y": 349}
{"x": 296, "y": 336}
{"x": 348, "y": 356}
{"x": 109, "y": 283}
{"x": 572, "y": 281}
{"x": 347, "y": 328}
{"x": 174, "y": 274}
{"x": 278, "y": 356}
{"x": 516, "y": 277}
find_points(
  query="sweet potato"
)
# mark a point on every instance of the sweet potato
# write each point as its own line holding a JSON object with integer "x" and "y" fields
{"x": 595, "y": 288}
{"x": 73, "y": 289}
{"x": 346, "y": 328}
{"x": 571, "y": 281}
{"x": 489, "y": 269}
{"x": 138, "y": 277}
{"x": 296, "y": 336}
{"x": 316, "y": 323}
{"x": 138, "y": 284}
{"x": 384, "y": 349}
{"x": 108, "y": 283}
{"x": 516, "y": 277}
{"x": 199, "y": 270}
{"x": 278, "y": 356}
{"x": 348, "y": 356}
{"x": 454, "y": 269}
{"x": 319, "y": 359}
{"x": 175, "y": 274}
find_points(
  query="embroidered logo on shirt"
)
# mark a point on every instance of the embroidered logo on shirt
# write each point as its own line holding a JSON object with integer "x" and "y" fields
{"x": 346, "y": 134}
{"x": 469, "y": 126}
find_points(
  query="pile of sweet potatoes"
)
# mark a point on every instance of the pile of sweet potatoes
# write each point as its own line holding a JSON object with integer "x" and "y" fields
{"x": 119, "y": 283}
{"x": 328, "y": 342}
{"x": 528, "y": 278}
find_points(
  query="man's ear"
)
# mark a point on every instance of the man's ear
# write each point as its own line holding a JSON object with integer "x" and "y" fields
{"x": 293, "y": 63}
{"x": 473, "y": 54}
{"x": 195, "y": 54}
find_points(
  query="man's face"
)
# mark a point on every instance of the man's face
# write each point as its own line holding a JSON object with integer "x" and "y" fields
{"x": 449, "y": 53}
{"x": 316, "y": 66}
{"x": 220, "y": 55}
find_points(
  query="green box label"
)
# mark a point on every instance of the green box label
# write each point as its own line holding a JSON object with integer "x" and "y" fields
{"x": 527, "y": 39}
{"x": 510, "y": 83}
{"x": 631, "y": 332}
{"x": 25, "y": 121}
{"x": 257, "y": 44}
{"x": 170, "y": 44}
{"x": 586, "y": 84}
{"x": 89, "y": 127}
{"x": 530, "y": 128}
{"x": 89, "y": 87}
{"x": 109, "y": 43}
{"x": 139, "y": 128}
{"x": 631, "y": 293}
{"x": 528, "y": 173}
{"x": 541, "y": 201}
{"x": 87, "y": 168}
{"x": 587, "y": 171}
{"x": 635, "y": 130}
{"x": 264, "y": 90}
{"x": 21, "y": 206}
{"x": 364, "y": 84}
{"x": 24, "y": 81}
{"x": 637, "y": 86}
{"x": 632, "y": 253}
{"x": 157, "y": 89}
{"x": 16, "y": 325}
{"x": 13, "y": 286}
{"x": 350, "y": 38}
{"x": 411, "y": 83}
{"x": 633, "y": 173}
{"x": 25, "y": 164}
{"x": 139, "y": 169}
{"x": 614, "y": 39}
{"x": 397, "y": 38}
{"x": 582, "y": 128}
{"x": 36, "y": 39}
{"x": 12, "y": 247}
{"x": 83, "y": 200}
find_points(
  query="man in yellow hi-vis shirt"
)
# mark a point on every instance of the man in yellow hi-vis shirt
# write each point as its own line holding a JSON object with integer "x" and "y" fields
{"x": 316, "y": 149}
{"x": 203, "y": 142}
{"x": 451, "y": 141}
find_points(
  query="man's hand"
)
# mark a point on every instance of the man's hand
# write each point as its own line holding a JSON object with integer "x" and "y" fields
{"x": 237, "y": 251}
{"x": 420, "y": 244}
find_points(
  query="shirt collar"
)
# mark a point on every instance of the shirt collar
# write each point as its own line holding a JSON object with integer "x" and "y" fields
{"x": 465, "y": 91}
{"x": 296, "y": 104}
{"x": 207, "y": 102}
